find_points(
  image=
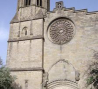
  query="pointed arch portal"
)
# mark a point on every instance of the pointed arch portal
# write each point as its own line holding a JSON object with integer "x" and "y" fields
{"x": 62, "y": 84}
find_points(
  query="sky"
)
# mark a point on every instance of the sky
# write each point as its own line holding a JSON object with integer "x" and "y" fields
{"x": 8, "y": 10}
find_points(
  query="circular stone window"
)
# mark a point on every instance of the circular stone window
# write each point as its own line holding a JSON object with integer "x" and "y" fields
{"x": 61, "y": 31}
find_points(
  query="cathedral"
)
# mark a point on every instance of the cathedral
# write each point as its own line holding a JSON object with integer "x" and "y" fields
{"x": 51, "y": 49}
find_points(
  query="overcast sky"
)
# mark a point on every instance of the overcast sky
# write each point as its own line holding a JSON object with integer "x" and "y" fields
{"x": 8, "y": 9}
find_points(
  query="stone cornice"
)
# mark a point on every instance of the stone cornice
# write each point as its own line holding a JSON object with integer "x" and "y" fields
{"x": 25, "y": 38}
{"x": 17, "y": 21}
{"x": 26, "y": 69}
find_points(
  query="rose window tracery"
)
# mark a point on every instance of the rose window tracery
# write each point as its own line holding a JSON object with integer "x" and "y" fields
{"x": 61, "y": 31}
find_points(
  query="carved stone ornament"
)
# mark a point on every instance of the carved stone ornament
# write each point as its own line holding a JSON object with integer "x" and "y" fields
{"x": 61, "y": 31}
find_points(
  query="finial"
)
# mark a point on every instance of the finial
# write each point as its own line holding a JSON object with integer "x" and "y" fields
{"x": 59, "y": 4}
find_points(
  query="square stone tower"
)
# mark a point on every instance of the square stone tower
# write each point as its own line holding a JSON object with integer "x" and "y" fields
{"x": 26, "y": 42}
{"x": 51, "y": 49}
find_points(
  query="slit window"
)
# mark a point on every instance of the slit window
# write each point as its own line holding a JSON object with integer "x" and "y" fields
{"x": 27, "y": 2}
{"x": 39, "y": 2}
{"x": 26, "y": 84}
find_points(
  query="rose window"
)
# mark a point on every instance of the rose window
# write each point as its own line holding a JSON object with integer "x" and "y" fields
{"x": 61, "y": 31}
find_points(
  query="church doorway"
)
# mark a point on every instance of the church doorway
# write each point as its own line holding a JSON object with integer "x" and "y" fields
{"x": 62, "y": 84}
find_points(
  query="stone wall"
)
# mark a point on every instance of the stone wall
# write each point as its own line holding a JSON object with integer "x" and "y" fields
{"x": 28, "y": 79}
{"x": 79, "y": 52}
{"x": 25, "y": 54}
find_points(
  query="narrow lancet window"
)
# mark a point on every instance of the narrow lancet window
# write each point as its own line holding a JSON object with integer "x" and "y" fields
{"x": 39, "y": 2}
{"x": 26, "y": 84}
{"x": 24, "y": 32}
{"x": 27, "y": 2}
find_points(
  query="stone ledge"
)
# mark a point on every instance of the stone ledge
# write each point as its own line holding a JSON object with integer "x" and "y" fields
{"x": 25, "y": 38}
{"x": 17, "y": 21}
{"x": 26, "y": 69}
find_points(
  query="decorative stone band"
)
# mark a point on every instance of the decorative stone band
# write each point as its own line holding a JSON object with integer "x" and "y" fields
{"x": 62, "y": 83}
{"x": 26, "y": 69}
{"x": 26, "y": 38}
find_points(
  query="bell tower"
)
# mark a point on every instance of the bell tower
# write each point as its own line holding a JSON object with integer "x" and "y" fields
{"x": 26, "y": 42}
{"x": 38, "y": 3}
{"x": 31, "y": 9}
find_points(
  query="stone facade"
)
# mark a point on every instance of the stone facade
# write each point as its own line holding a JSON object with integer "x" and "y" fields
{"x": 51, "y": 49}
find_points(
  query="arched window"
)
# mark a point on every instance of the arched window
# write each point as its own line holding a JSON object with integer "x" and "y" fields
{"x": 39, "y": 2}
{"x": 24, "y": 31}
{"x": 27, "y": 2}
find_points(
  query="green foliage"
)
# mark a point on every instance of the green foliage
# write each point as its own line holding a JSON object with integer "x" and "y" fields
{"x": 0, "y": 61}
{"x": 6, "y": 79}
{"x": 90, "y": 80}
{"x": 93, "y": 78}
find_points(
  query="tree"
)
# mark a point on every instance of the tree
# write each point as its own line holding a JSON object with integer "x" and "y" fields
{"x": 0, "y": 61}
{"x": 6, "y": 80}
{"x": 93, "y": 76}
{"x": 92, "y": 79}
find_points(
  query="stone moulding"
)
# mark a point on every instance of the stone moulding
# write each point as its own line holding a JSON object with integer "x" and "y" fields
{"x": 26, "y": 69}
{"x": 61, "y": 60}
{"x": 27, "y": 38}
{"x": 66, "y": 83}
